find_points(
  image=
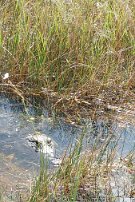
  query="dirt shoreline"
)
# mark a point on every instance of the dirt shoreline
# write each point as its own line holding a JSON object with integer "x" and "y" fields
{"x": 75, "y": 106}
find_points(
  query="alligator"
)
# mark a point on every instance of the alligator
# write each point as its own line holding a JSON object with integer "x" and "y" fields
{"x": 41, "y": 142}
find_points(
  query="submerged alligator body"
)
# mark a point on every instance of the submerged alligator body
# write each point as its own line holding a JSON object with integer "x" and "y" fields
{"x": 41, "y": 142}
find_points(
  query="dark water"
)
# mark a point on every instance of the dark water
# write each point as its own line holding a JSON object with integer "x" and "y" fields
{"x": 16, "y": 125}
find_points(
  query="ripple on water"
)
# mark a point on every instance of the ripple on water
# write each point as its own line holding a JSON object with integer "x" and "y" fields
{"x": 15, "y": 127}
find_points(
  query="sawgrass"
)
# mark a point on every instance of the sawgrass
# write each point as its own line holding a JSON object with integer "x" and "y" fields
{"x": 82, "y": 176}
{"x": 67, "y": 47}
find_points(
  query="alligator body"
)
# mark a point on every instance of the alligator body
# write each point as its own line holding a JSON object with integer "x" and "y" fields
{"x": 41, "y": 142}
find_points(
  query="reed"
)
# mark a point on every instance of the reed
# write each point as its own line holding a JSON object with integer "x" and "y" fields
{"x": 67, "y": 47}
{"x": 80, "y": 177}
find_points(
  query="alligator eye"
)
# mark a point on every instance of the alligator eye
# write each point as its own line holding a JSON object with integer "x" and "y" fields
{"x": 49, "y": 141}
{"x": 38, "y": 144}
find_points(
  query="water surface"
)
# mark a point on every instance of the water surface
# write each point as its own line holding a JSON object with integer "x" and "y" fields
{"x": 16, "y": 125}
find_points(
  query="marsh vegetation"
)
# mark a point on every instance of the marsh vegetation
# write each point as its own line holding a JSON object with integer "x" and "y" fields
{"x": 79, "y": 56}
{"x": 75, "y": 50}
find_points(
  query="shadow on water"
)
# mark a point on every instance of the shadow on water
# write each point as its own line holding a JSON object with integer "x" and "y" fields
{"x": 16, "y": 126}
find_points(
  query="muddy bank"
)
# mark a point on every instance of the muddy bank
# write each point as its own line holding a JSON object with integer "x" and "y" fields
{"x": 84, "y": 103}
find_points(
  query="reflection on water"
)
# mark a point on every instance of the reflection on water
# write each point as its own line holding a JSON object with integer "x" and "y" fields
{"x": 15, "y": 182}
{"x": 15, "y": 127}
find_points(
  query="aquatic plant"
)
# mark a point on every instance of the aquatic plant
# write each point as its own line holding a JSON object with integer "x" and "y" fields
{"x": 81, "y": 176}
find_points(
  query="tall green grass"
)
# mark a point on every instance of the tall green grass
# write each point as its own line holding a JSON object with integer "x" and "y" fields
{"x": 66, "y": 47}
{"x": 82, "y": 176}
